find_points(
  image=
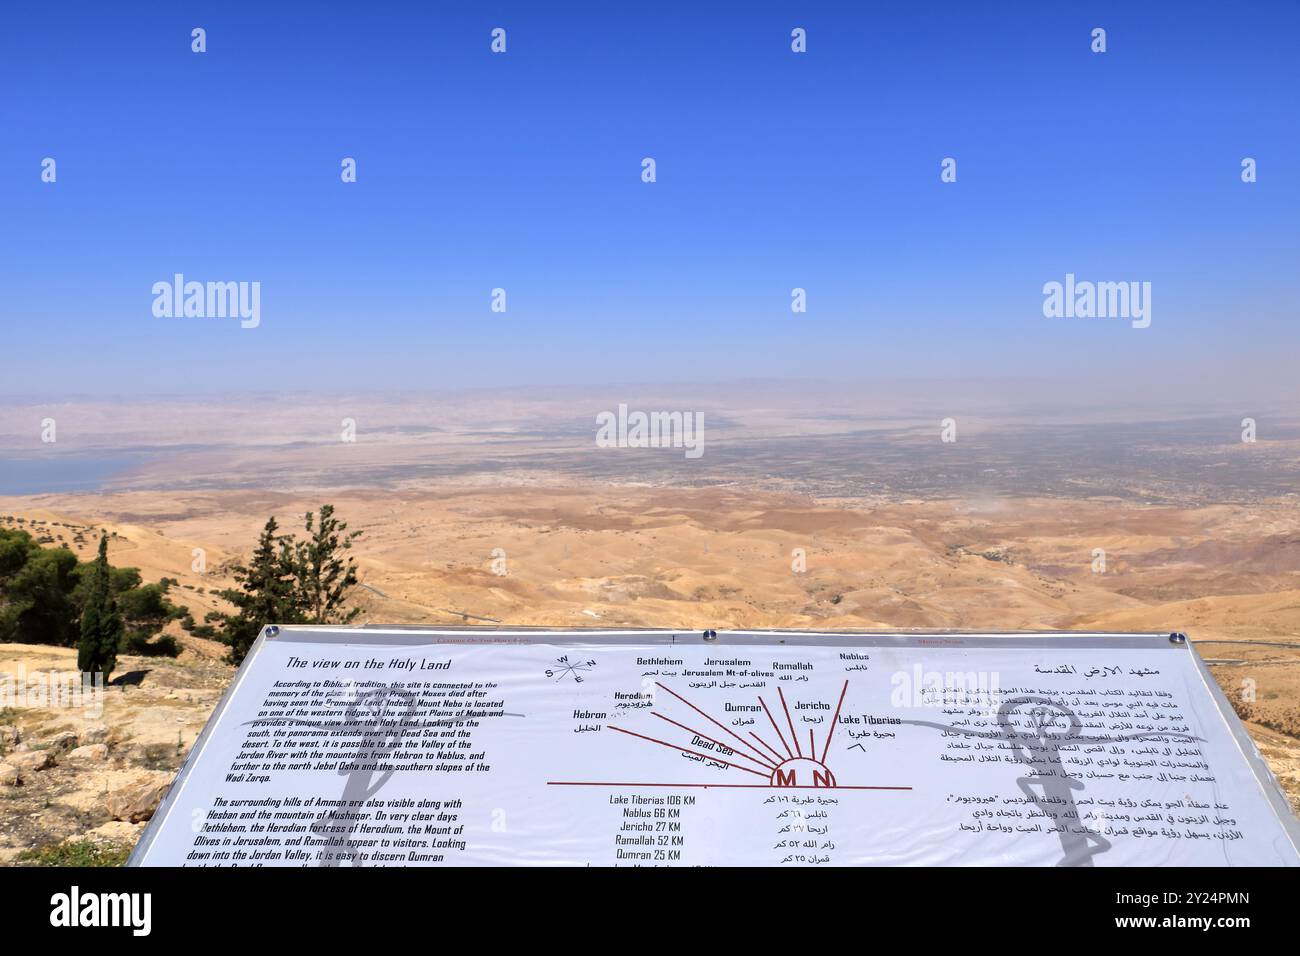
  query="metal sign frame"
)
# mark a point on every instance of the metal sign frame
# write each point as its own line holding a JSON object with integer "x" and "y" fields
{"x": 418, "y": 635}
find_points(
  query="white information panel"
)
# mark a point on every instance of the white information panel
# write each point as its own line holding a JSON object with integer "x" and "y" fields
{"x": 342, "y": 747}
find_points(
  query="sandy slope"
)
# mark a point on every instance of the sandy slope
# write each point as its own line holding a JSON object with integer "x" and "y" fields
{"x": 599, "y": 554}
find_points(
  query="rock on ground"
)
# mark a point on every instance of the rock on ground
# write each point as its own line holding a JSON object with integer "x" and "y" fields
{"x": 95, "y": 734}
{"x": 114, "y": 832}
{"x": 89, "y": 753}
{"x": 137, "y": 801}
{"x": 64, "y": 742}
{"x": 30, "y": 761}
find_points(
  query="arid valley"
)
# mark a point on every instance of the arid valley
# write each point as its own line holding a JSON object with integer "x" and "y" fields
{"x": 805, "y": 511}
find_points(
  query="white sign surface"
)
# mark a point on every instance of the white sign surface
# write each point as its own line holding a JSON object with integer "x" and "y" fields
{"x": 467, "y": 747}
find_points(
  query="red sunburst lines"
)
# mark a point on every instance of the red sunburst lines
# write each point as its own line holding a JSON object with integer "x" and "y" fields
{"x": 775, "y": 752}
{"x": 789, "y": 752}
{"x": 835, "y": 721}
{"x": 762, "y": 756}
{"x": 727, "y": 747}
{"x": 786, "y": 708}
{"x": 687, "y": 750}
{"x": 771, "y": 767}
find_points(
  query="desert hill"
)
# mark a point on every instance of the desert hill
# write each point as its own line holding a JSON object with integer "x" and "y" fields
{"x": 1229, "y": 575}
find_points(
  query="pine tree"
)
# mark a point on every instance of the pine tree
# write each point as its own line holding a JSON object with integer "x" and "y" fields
{"x": 265, "y": 594}
{"x": 101, "y": 622}
{"x": 324, "y": 573}
{"x": 290, "y": 582}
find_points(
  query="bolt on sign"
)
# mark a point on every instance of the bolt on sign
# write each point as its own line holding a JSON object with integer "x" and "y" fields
{"x": 468, "y": 746}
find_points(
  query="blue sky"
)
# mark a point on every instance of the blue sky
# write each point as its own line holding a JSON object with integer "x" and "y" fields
{"x": 522, "y": 171}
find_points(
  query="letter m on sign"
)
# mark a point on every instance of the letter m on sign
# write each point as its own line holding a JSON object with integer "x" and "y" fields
{"x": 786, "y": 778}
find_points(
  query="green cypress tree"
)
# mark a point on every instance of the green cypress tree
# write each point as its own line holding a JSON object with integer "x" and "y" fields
{"x": 101, "y": 622}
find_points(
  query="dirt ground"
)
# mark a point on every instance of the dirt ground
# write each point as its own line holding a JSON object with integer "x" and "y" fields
{"x": 148, "y": 722}
{"x": 1228, "y": 575}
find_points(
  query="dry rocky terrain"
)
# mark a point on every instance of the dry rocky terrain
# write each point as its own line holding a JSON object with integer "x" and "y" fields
{"x": 812, "y": 506}
{"x": 1229, "y": 575}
